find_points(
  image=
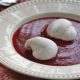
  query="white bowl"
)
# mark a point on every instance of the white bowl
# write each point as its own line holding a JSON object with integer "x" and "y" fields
{"x": 13, "y": 17}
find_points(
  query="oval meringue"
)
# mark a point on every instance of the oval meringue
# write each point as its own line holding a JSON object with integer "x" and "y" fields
{"x": 43, "y": 48}
{"x": 62, "y": 29}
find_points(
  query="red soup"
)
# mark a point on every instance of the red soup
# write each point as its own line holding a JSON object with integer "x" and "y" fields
{"x": 68, "y": 53}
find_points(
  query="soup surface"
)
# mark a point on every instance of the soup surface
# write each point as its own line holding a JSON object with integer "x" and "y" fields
{"x": 68, "y": 53}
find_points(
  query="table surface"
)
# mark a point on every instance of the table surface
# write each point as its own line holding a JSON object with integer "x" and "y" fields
{"x": 7, "y": 74}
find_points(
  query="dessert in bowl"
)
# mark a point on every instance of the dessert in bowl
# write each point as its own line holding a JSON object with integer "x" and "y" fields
{"x": 30, "y": 20}
{"x": 68, "y": 49}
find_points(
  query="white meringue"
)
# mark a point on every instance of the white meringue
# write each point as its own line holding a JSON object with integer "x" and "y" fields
{"x": 7, "y": 2}
{"x": 62, "y": 29}
{"x": 43, "y": 48}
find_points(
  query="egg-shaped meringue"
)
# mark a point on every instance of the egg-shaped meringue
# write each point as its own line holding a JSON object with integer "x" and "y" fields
{"x": 43, "y": 48}
{"x": 62, "y": 29}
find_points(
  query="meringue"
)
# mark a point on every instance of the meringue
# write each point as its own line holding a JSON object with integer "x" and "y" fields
{"x": 62, "y": 29}
{"x": 43, "y": 48}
